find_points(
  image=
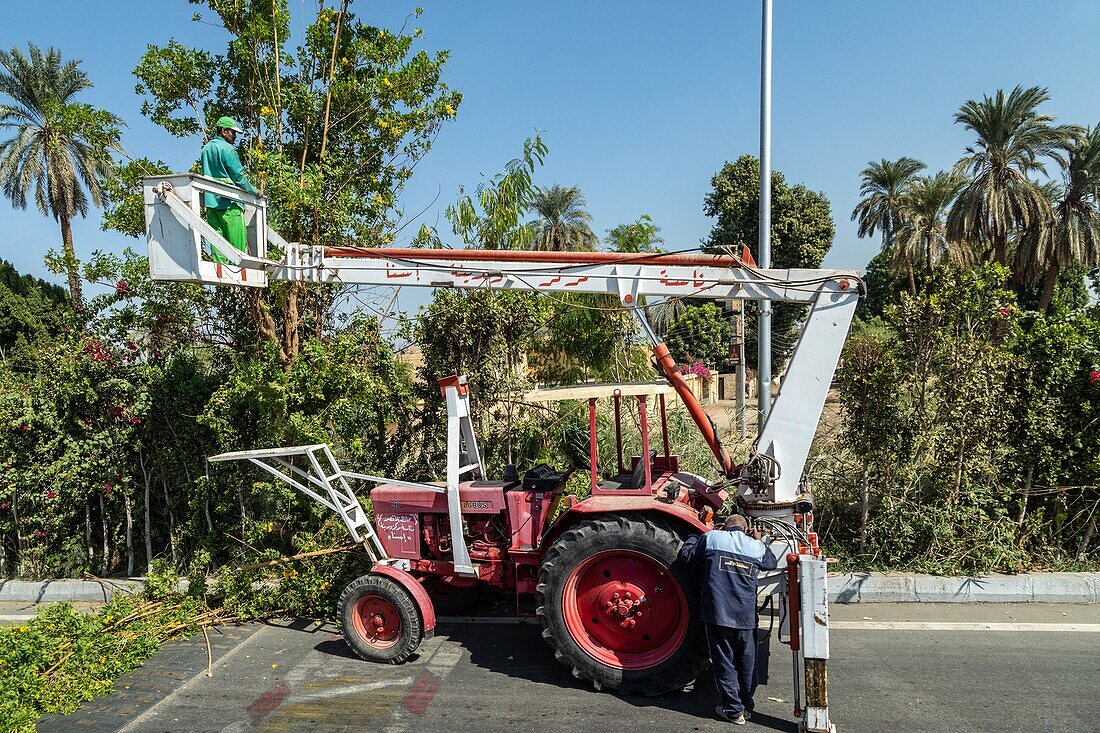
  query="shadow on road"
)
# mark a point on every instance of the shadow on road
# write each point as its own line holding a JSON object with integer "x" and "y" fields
{"x": 518, "y": 651}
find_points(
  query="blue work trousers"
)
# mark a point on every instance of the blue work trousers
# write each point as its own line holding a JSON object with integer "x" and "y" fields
{"x": 733, "y": 656}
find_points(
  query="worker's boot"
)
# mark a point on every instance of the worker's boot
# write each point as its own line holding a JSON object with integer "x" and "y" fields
{"x": 739, "y": 720}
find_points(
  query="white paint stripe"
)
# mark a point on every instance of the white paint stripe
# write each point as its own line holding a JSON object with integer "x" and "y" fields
{"x": 351, "y": 689}
{"x": 961, "y": 626}
{"x": 200, "y": 676}
{"x": 845, "y": 625}
{"x": 14, "y": 617}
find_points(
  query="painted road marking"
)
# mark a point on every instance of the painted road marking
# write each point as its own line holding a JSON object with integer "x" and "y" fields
{"x": 200, "y": 676}
{"x": 444, "y": 657}
{"x": 851, "y": 625}
{"x": 961, "y": 626}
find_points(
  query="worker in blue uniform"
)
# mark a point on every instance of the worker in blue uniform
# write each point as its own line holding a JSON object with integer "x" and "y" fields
{"x": 725, "y": 562}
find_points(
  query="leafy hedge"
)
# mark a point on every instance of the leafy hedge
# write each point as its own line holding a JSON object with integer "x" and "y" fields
{"x": 972, "y": 434}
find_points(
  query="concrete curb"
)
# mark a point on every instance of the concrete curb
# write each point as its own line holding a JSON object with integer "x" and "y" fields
{"x": 1024, "y": 588}
{"x": 87, "y": 591}
{"x": 843, "y": 588}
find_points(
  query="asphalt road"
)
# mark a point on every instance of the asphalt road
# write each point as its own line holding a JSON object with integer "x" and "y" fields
{"x": 894, "y": 668}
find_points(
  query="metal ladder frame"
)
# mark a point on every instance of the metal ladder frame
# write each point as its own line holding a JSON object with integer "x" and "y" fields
{"x": 326, "y": 483}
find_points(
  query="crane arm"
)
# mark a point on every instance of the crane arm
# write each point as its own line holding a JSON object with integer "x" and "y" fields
{"x": 179, "y": 245}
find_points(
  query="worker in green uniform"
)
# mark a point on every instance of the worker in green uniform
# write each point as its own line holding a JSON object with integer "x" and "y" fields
{"x": 221, "y": 162}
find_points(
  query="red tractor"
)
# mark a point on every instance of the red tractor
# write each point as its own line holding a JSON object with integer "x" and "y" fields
{"x": 601, "y": 576}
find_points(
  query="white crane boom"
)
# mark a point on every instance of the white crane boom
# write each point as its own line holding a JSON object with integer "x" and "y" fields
{"x": 179, "y": 243}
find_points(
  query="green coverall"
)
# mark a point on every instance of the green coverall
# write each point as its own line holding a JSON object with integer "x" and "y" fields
{"x": 221, "y": 162}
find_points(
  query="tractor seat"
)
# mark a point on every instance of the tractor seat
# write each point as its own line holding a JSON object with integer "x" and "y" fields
{"x": 632, "y": 480}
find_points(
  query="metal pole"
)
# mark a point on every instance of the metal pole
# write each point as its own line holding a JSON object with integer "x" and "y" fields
{"x": 764, "y": 347}
{"x": 741, "y": 366}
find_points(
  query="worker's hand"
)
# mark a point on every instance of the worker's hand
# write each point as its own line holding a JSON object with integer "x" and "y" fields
{"x": 756, "y": 534}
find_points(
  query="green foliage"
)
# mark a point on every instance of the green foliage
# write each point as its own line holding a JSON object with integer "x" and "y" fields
{"x": 700, "y": 334}
{"x": 59, "y": 147}
{"x": 802, "y": 234}
{"x": 563, "y": 223}
{"x": 956, "y": 410}
{"x": 65, "y": 657}
{"x": 107, "y": 431}
{"x": 641, "y": 235}
{"x": 31, "y": 310}
{"x": 494, "y": 220}
{"x": 882, "y": 287}
{"x": 123, "y": 202}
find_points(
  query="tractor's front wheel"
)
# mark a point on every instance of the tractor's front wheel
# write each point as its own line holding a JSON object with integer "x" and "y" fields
{"x": 616, "y": 607}
{"x": 380, "y": 620}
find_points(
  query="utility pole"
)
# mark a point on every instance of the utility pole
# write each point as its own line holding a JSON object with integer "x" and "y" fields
{"x": 737, "y": 357}
{"x": 741, "y": 366}
{"x": 764, "y": 344}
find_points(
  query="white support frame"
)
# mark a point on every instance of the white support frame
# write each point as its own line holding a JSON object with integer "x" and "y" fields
{"x": 326, "y": 483}
{"x": 814, "y": 632}
{"x": 329, "y": 485}
{"x": 460, "y": 432}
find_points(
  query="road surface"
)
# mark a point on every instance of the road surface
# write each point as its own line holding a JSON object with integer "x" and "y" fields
{"x": 913, "y": 667}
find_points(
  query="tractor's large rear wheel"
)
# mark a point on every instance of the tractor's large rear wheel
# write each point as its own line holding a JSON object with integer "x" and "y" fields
{"x": 617, "y": 608}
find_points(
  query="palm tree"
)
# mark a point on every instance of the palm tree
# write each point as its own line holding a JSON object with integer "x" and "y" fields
{"x": 563, "y": 224}
{"x": 922, "y": 240}
{"x": 883, "y": 186}
{"x": 59, "y": 147}
{"x": 1013, "y": 139}
{"x": 1074, "y": 235}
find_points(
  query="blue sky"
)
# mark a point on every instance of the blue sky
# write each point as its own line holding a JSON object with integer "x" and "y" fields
{"x": 639, "y": 102}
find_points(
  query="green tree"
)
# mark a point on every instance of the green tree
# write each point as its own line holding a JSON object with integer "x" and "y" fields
{"x": 882, "y": 285}
{"x": 641, "y": 235}
{"x": 563, "y": 224}
{"x": 700, "y": 334}
{"x": 1073, "y": 237}
{"x": 802, "y": 233}
{"x": 494, "y": 221}
{"x": 59, "y": 147}
{"x": 336, "y": 127}
{"x": 922, "y": 240}
{"x": 1013, "y": 139}
{"x": 31, "y": 310}
{"x": 883, "y": 186}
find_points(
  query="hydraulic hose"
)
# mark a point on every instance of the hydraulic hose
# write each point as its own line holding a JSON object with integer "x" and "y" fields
{"x": 702, "y": 420}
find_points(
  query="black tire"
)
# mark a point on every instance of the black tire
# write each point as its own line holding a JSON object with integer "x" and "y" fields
{"x": 448, "y": 599}
{"x": 397, "y": 606}
{"x": 637, "y": 533}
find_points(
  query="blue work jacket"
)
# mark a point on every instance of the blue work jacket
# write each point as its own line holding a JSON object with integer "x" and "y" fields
{"x": 725, "y": 564}
{"x": 220, "y": 161}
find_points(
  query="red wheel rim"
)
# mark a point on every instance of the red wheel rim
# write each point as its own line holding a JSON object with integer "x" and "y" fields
{"x": 625, "y": 609}
{"x": 376, "y": 621}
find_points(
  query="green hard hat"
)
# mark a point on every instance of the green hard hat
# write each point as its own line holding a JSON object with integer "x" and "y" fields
{"x": 228, "y": 123}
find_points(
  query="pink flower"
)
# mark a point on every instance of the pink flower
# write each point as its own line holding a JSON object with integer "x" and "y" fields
{"x": 131, "y": 346}
{"x": 24, "y": 426}
{"x": 1003, "y": 311}
{"x": 1094, "y": 377}
{"x": 5, "y": 504}
{"x": 39, "y": 534}
{"x": 122, "y": 288}
{"x": 51, "y": 494}
{"x": 135, "y": 421}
